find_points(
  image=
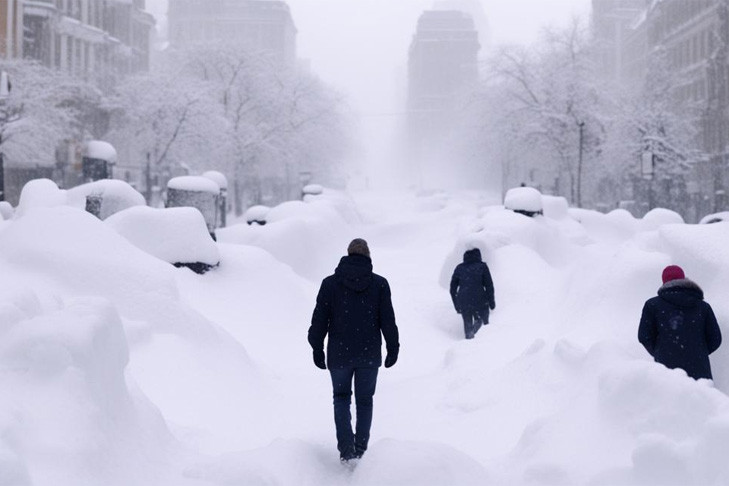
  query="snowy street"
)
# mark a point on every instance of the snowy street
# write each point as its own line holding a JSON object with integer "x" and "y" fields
{"x": 118, "y": 368}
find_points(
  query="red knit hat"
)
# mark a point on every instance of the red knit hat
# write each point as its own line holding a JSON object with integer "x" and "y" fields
{"x": 673, "y": 272}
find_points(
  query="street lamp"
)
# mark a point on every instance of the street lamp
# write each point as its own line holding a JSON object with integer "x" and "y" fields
{"x": 5, "y": 87}
{"x": 579, "y": 164}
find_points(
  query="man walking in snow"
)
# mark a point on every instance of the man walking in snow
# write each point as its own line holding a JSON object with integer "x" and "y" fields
{"x": 354, "y": 308}
{"x": 472, "y": 291}
{"x": 678, "y": 328}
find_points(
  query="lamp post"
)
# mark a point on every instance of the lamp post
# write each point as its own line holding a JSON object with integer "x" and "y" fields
{"x": 4, "y": 94}
{"x": 579, "y": 164}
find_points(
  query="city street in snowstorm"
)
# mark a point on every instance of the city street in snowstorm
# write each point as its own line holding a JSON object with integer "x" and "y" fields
{"x": 364, "y": 242}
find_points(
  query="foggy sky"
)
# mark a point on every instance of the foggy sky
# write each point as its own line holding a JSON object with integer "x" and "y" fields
{"x": 361, "y": 47}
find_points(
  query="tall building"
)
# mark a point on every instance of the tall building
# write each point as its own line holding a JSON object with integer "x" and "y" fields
{"x": 99, "y": 40}
{"x": 11, "y": 31}
{"x": 442, "y": 65}
{"x": 693, "y": 36}
{"x": 254, "y": 25}
{"x": 611, "y": 21}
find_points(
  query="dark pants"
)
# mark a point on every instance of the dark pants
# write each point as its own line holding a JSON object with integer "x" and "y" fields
{"x": 473, "y": 320}
{"x": 365, "y": 379}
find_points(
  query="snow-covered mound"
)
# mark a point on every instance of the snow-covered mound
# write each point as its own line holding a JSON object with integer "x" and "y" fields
{"x": 174, "y": 235}
{"x": 115, "y": 196}
{"x": 525, "y": 199}
{"x": 655, "y": 218}
{"x": 40, "y": 193}
{"x": 68, "y": 414}
{"x": 217, "y": 177}
{"x": 98, "y": 149}
{"x": 256, "y": 214}
{"x": 310, "y": 236}
{"x": 555, "y": 207}
{"x": 6, "y": 210}
{"x": 194, "y": 184}
{"x": 312, "y": 190}
{"x": 715, "y": 218}
{"x": 100, "y": 343}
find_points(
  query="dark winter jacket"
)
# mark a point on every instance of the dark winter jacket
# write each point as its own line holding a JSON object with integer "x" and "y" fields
{"x": 679, "y": 329}
{"x": 355, "y": 309}
{"x": 472, "y": 289}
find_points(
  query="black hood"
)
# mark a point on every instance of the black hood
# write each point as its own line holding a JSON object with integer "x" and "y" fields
{"x": 472, "y": 256}
{"x": 681, "y": 293}
{"x": 355, "y": 272}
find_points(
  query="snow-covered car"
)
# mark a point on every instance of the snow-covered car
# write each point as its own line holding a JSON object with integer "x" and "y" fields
{"x": 176, "y": 235}
{"x": 312, "y": 190}
{"x": 257, "y": 215}
{"x": 524, "y": 200}
{"x": 715, "y": 218}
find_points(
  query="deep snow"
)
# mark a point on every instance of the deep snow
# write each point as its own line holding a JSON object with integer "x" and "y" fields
{"x": 117, "y": 368}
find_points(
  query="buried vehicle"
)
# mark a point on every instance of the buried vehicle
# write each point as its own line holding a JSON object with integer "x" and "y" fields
{"x": 715, "y": 218}
{"x": 257, "y": 215}
{"x": 524, "y": 200}
{"x": 178, "y": 236}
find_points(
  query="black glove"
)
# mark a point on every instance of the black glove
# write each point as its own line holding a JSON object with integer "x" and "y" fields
{"x": 391, "y": 359}
{"x": 319, "y": 359}
{"x": 492, "y": 305}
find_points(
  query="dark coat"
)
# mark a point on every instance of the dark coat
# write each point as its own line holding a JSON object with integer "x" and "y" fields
{"x": 472, "y": 289}
{"x": 354, "y": 308}
{"x": 679, "y": 329}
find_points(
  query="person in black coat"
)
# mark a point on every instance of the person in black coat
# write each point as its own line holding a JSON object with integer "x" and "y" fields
{"x": 472, "y": 291}
{"x": 678, "y": 328}
{"x": 354, "y": 308}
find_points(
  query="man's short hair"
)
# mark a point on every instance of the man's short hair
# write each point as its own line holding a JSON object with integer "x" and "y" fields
{"x": 358, "y": 246}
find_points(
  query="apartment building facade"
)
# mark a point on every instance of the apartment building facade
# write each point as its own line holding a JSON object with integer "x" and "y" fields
{"x": 255, "y": 25}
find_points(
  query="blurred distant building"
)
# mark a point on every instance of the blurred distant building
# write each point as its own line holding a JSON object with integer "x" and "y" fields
{"x": 98, "y": 40}
{"x": 611, "y": 20}
{"x": 694, "y": 37}
{"x": 442, "y": 66}
{"x": 11, "y": 31}
{"x": 254, "y": 25}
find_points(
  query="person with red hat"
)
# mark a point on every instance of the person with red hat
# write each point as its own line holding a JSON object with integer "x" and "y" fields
{"x": 678, "y": 328}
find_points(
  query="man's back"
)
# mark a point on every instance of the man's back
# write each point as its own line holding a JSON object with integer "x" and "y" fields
{"x": 354, "y": 307}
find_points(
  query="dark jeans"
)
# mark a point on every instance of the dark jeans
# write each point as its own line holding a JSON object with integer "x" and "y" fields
{"x": 365, "y": 380}
{"x": 473, "y": 320}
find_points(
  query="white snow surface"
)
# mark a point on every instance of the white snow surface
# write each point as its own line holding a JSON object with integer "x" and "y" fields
{"x": 116, "y": 195}
{"x": 194, "y": 183}
{"x": 523, "y": 199}
{"x": 217, "y": 177}
{"x": 174, "y": 235}
{"x": 98, "y": 149}
{"x": 6, "y": 210}
{"x": 39, "y": 193}
{"x": 119, "y": 369}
